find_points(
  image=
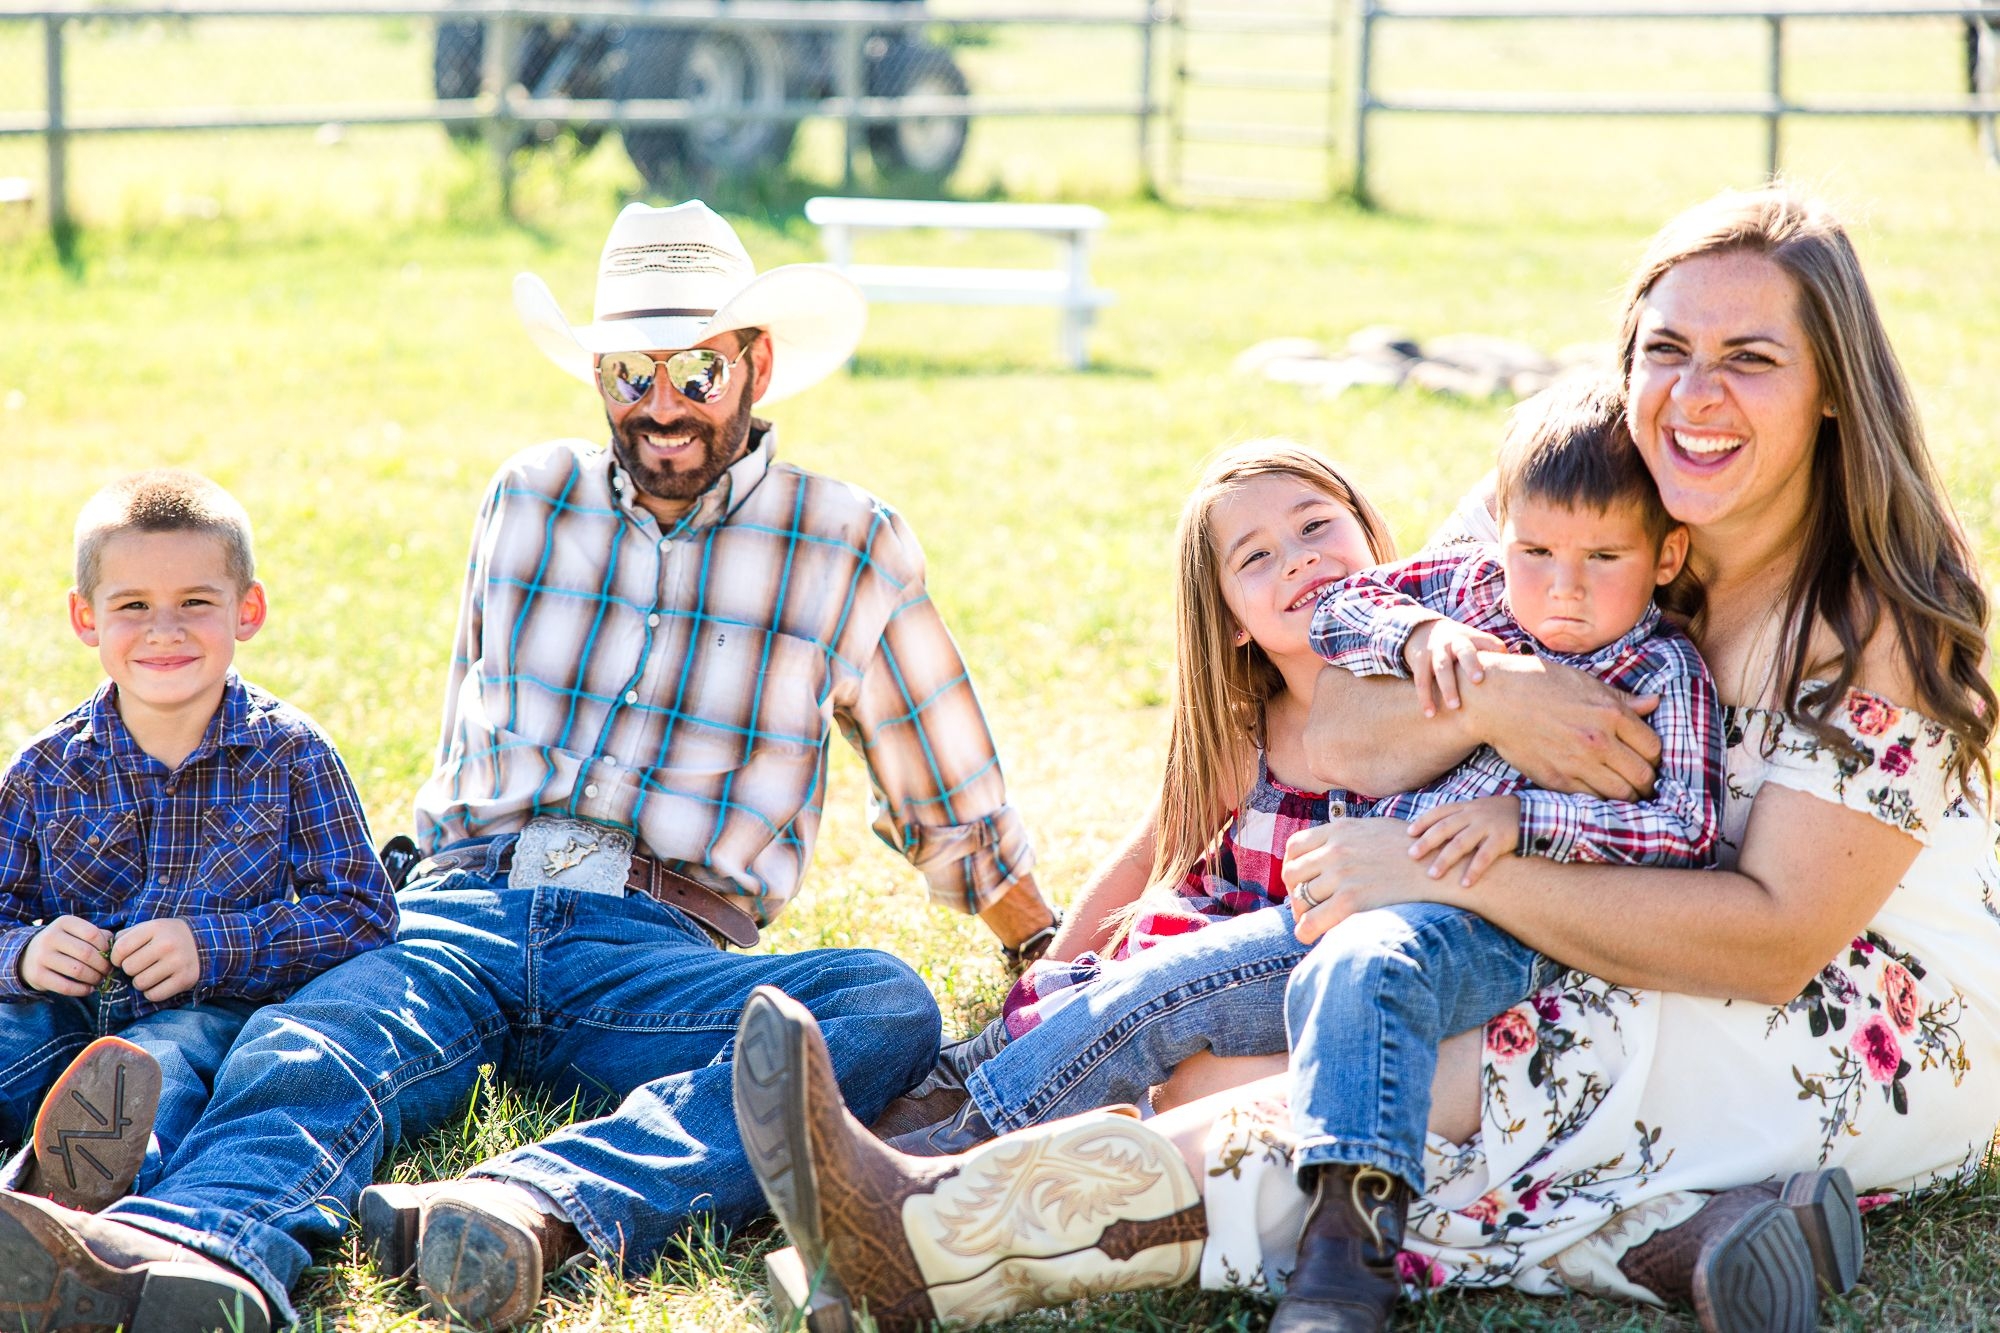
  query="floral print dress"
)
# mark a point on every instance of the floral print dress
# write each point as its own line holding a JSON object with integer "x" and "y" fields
{"x": 1605, "y": 1110}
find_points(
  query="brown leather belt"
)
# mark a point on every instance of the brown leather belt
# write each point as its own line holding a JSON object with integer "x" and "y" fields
{"x": 714, "y": 910}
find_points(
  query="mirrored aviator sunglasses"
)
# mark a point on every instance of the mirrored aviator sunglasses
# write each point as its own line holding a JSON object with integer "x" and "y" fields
{"x": 700, "y": 374}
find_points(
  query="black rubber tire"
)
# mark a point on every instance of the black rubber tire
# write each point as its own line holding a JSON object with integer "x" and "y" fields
{"x": 458, "y": 67}
{"x": 927, "y": 149}
{"x": 456, "y": 62}
{"x": 747, "y": 66}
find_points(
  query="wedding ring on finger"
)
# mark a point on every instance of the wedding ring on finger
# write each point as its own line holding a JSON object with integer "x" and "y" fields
{"x": 1303, "y": 892}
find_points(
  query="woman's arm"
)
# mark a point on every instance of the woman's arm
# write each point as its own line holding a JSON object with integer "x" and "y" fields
{"x": 1563, "y": 729}
{"x": 1811, "y": 877}
{"x": 1116, "y": 882}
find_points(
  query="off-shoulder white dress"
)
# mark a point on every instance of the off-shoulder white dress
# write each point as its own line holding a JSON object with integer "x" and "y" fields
{"x": 1606, "y": 1108}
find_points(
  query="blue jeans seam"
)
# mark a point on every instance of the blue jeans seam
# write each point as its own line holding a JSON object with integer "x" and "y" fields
{"x": 1327, "y": 1150}
{"x": 1115, "y": 1038}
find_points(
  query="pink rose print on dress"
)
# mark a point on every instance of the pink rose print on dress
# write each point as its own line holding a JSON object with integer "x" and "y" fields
{"x": 1900, "y": 1000}
{"x": 1511, "y": 1035}
{"x": 1897, "y": 759}
{"x": 1881, "y": 1054}
{"x": 1419, "y": 1271}
{"x": 1871, "y": 714}
{"x": 1483, "y": 1210}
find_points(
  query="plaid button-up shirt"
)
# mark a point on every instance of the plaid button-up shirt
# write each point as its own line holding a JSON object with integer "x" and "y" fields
{"x": 1366, "y": 622}
{"x": 682, "y": 685}
{"x": 257, "y": 841}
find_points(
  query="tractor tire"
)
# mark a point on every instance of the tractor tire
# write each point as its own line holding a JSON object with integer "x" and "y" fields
{"x": 714, "y": 69}
{"x": 927, "y": 149}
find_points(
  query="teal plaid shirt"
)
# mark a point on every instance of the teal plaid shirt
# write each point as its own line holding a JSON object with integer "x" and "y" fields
{"x": 683, "y": 684}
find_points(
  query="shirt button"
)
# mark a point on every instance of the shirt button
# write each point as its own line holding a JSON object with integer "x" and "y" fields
{"x": 590, "y": 790}
{"x": 631, "y": 696}
{"x": 1542, "y": 844}
{"x": 652, "y": 620}
{"x": 663, "y": 543}
{"x": 159, "y": 881}
{"x": 94, "y": 839}
{"x": 610, "y": 761}
{"x": 1336, "y": 811}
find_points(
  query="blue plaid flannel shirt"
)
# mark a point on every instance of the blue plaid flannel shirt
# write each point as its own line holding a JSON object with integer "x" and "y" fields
{"x": 1364, "y": 624}
{"x": 257, "y": 841}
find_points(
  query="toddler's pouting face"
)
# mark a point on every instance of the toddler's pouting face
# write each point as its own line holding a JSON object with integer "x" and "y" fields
{"x": 1579, "y": 578}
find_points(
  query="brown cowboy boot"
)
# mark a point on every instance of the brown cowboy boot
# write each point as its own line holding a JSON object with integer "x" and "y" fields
{"x": 1091, "y": 1204}
{"x": 63, "y": 1271}
{"x": 1742, "y": 1262}
{"x": 1345, "y": 1279}
{"x": 484, "y": 1250}
{"x": 91, "y": 1133}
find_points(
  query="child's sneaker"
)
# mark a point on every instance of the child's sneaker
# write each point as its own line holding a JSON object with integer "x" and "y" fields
{"x": 92, "y": 1132}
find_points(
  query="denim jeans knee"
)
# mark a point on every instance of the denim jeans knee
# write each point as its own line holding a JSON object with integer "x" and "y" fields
{"x": 1217, "y": 989}
{"x": 1366, "y": 1011}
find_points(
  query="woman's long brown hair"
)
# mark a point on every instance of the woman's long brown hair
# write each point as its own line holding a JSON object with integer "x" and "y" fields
{"x": 1880, "y": 537}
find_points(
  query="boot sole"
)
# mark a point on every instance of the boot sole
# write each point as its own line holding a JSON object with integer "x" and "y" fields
{"x": 94, "y": 1125}
{"x": 51, "y": 1283}
{"x": 768, "y": 1079}
{"x": 391, "y": 1219}
{"x": 1758, "y": 1277}
{"x": 1824, "y": 1204}
{"x": 476, "y": 1269}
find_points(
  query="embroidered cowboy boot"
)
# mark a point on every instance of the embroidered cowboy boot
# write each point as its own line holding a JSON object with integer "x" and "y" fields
{"x": 1091, "y": 1204}
{"x": 91, "y": 1133}
{"x": 1742, "y": 1262}
{"x": 63, "y": 1270}
{"x": 1345, "y": 1279}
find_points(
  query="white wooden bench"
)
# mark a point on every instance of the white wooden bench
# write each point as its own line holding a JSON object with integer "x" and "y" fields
{"x": 1067, "y": 286}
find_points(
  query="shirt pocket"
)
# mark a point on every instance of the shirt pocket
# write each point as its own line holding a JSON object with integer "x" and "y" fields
{"x": 242, "y": 858}
{"x": 750, "y": 692}
{"x": 93, "y": 860}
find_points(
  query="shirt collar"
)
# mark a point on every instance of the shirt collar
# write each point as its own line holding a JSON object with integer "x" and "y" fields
{"x": 723, "y": 497}
{"x": 107, "y": 733}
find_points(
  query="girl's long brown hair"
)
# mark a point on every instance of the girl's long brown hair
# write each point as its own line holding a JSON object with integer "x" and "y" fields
{"x": 1880, "y": 536}
{"x": 1220, "y": 689}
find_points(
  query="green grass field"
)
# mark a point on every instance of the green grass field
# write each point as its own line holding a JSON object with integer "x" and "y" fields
{"x": 326, "y": 329}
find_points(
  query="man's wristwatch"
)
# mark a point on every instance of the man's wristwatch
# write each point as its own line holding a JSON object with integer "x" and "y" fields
{"x": 1018, "y": 956}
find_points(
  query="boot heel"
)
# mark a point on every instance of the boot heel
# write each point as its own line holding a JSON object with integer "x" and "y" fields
{"x": 797, "y": 1303}
{"x": 1823, "y": 1202}
{"x": 391, "y": 1217}
{"x": 191, "y": 1298}
{"x": 1757, "y": 1277}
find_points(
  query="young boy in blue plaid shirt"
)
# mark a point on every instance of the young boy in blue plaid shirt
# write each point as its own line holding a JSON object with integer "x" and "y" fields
{"x": 173, "y": 852}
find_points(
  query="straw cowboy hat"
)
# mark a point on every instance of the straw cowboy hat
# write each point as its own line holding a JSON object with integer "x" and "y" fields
{"x": 670, "y": 277}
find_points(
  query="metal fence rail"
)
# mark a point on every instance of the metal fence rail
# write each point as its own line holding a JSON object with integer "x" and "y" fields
{"x": 1771, "y": 105}
{"x": 865, "y": 64}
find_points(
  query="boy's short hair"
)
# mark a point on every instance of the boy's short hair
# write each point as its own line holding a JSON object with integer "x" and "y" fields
{"x": 1570, "y": 445}
{"x": 163, "y": 500}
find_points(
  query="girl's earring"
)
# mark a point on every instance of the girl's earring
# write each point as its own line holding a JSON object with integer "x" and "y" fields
{"x": 1242, "y": 637}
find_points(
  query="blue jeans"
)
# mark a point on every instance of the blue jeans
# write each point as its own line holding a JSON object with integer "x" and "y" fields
{"x": 1366, "y": 1011}
{"x": 561, "y": 990}
{"x": 1220, "y": 989}
{"x": 38, "y": 1039}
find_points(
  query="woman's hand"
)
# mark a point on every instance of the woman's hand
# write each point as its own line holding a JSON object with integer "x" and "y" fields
{"x": 1566, "y": 730}
{"x": 1337, "y": 869}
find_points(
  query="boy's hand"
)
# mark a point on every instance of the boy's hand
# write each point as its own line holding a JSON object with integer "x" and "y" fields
{"x": 1438, "y": 652}
{"x": 160, "y": 957}
{"x": 1478, "y": 832}
{"x": 66, "y": 957}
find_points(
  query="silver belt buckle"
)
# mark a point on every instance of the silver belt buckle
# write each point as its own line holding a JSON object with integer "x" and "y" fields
{"x": 571, "y": 854}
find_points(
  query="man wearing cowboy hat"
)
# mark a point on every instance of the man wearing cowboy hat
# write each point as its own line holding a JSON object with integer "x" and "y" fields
{"x": 653, "y": 644}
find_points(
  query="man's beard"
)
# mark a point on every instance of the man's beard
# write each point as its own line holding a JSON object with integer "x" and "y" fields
{"x": 721, "y": 444}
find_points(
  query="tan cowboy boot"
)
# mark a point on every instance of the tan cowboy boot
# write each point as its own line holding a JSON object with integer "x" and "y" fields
{"x": 484, "y": 1250}
{"x": 1345, "y": 1278}
{"x": 91, "y": 1133}
{"x": 1742, "y": 1262}
{"x": 63, "y": 1271}
{"x": 1090, "y": 1204}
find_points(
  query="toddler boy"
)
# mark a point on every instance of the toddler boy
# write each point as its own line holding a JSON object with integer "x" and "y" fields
{"x": 173, "y": 852}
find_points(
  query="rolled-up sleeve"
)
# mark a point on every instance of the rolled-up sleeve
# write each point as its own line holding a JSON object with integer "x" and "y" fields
{"x": 937, "y": 792}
